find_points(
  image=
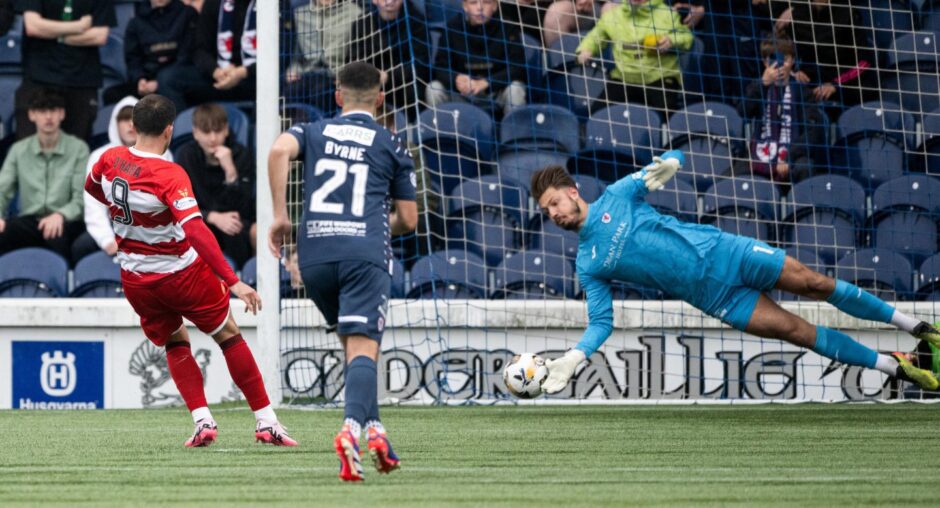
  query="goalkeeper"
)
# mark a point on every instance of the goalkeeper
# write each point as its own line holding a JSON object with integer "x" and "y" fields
{"x": 726, "y": 276}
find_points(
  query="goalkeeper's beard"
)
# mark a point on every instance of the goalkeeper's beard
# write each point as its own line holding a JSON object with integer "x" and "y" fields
{"x": 574, "y": 224}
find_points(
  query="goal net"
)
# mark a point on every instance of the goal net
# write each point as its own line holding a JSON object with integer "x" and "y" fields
{"x": 812, "y": 129}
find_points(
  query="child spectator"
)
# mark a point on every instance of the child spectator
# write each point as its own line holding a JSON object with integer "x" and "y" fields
{"x": 323, "y": 33}
{"x": 223, "y": 177}
{"x": 99, "y": 233}
{"x": 788, "y": 122}
{"x": 155, "y": 39}
{"x": 481, "y": 60}
{"x": 572, "y": 16}
{"x": 47, "y": 171}
{"x": 646, "y": 35}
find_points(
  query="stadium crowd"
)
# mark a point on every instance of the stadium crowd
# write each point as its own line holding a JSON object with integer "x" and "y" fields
{"x": 787, "y": 72}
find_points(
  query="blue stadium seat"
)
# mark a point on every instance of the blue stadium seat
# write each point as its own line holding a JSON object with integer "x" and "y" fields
{"x": 808, "y": 257}
{"x": 872, "y": 139}
{"x": 249, "y": 275}
{"x": 33, "y": 273}
{"x": 300, "y": 112}
{"x": 618, "y": 140}
{"x": 534, "y": 275}
{"x": 99, "y": 129}
{"x": 398, "y": 279}
{"x": 437, "y": 12}
{"x": 97, "y": 275}
{"x": 823, "y": 213}
{"x": 743, "y": 206}
{"x": 455, "y": 139}
{"x": 914, "y": 60}
{"x": 676, "y": 198}
{"x": 487, "y": 216}
{"x": 113, "y": 67}
{"x": 238, "y": 126}
{"x": 8, "y": 86}
{"x": 124, "y": 11}
{"x": 520, "y": 165}
{"x": 11, "y": 54}
{"x": 885, "y": 273}
{"x": 563, "y": 52}
{"x": 905, "y": 212}
{"x": 589, "y": 188}
{"x": 535, "y": 72}
{"x": 928, "y": 279}
{"x": 571, "y": 85}
{"x": 690, "y": 62}
{"x": 927, "y": 156}
{"x": 539, "y": 127}
{"x": 710, "y": 134}
{"x": 448, "y": 274}
{"x": 545, "y": 236}
{"x": 250, "y": 272}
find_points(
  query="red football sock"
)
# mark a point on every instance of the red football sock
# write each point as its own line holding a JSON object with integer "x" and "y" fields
{"x": 244, "y": 371}
{"x": 186, "y": 374}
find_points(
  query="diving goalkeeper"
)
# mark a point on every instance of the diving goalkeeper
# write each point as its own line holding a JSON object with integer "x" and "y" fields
{"x": 725, "y": 276}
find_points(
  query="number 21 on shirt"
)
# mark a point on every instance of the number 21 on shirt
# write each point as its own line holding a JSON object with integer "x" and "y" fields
{"x": 340, "y": 173}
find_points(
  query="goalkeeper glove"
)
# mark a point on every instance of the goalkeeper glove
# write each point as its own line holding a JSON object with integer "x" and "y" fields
{"x": 561, "y": 370}
{"x": 662, "y": 169}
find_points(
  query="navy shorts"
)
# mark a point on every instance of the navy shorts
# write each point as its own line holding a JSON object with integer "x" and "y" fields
{"x": 352, "y": 295}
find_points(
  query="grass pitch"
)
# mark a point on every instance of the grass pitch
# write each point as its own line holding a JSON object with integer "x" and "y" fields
{"x": 472, "y": 456}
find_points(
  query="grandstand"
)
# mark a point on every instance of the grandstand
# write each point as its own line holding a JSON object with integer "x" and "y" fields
{"x": 486, "y": 275}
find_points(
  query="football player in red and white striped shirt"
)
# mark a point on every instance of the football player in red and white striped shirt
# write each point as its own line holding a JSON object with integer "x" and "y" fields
{"x": 171, "y": 267}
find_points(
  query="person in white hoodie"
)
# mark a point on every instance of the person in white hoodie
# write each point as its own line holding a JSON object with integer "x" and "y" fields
{"x": 98, "y": 231}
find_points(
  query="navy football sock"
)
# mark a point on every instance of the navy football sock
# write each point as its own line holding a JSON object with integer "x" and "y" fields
{"x": 361, "y": 387}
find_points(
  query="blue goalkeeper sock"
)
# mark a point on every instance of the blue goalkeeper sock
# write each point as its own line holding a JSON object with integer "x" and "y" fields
{"x": 361, "y": 386}
{"x": 857, "y": 302}
{"x": 840, "y": 347}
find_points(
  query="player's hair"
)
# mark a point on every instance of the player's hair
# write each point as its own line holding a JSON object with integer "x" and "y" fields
{"x": 773, "y": 45}
{"x": 45, "y": 99}
{"x": 548, "y": 177}
{"x": 153, "y": 114}
{"x": 125, "y": 114}
{"x": 358, "y": 81}
{"x": 210, "y": 117}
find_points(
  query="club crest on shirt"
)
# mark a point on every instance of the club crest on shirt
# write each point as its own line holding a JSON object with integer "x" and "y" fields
{"x": 605, "y": 218}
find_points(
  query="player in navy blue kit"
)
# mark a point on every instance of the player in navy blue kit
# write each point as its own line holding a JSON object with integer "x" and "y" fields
{"x": 355, "y": 171}
{"x": 621, "y": 237}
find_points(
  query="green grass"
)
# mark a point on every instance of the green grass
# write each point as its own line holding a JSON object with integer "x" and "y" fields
{"x": 472, "y": 456}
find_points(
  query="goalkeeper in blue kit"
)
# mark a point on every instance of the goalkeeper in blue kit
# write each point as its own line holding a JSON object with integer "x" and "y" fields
{"x": 622, "y": 238}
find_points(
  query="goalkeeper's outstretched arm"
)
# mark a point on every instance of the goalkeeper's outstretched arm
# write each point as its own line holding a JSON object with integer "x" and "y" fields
{"x": 657, "y": 173}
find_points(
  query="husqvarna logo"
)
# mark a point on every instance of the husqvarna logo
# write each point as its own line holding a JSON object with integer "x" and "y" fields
{"x": 57, "y": 374}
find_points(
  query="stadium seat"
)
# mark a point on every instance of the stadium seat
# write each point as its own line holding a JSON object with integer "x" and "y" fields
{"x": 520, "y": 165}
{"x": 398, "y": 279}
{"x": 11, "y": 54}
{"x": 455, "y": 139}
{"x": 448, "y": 274}
{"x": 928, "y": 279}
{"x": 539, "y": 127}
{"x": 824, "y": 213}
{"x": 249, "y": 275}
{"x": 437, "y": 12}
{"x": 113, "y": 67}
{"x": 487, "y": 217}
{"x": 571, "y": 85}
{"x": 927, "y": 156}
{"x": 589, "y": 188}
{"x": 905, "y": 212}
{"x": 871, "y": 142}
{"x": 618, "y": 140}
{"x": 744, "y": 206}
{"x": 710, "y": 134}
{"x": 8, "y": 86}
{"x": 535, "y": 72}
{"x": 250, "y": 272}
{"x": 124, "y": 11}
{"x": 534, "y": 275}
{"x": 33, "y": 273}
{"x": 545, "y": 236}
{"x": 885, "y": 273}
{"x": 300, "y": 112}
{"x": 562, "y": 52}
{"x": 886, "y": 18}
{"x": 808, "y": 257}
{"x": 100, "y": 127}
{"x": 238, "y": 126}
{"x": 690, "y": 62}
{"x": 913, "y": 82}
{"x": 97, "y": 275}
{"x": 676, "y": 198}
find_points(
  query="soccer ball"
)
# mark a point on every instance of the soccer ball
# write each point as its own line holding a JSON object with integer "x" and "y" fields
{"x": 524, "y": 375}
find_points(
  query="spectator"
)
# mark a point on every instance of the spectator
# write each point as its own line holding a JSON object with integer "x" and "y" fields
{"x": 480, "y": 60}
{"x": 397, "y": 46}
{"x": 525, "y": 15}
{"x": 223, "y": 176}
{"x": 646, "y": 35}
{"x": 154, "y": 40}
{"x": 788, "y": 121}
{"x": 99, "y": 234}
{"x": 833, "y": 51}
{"x": 6, "y": 16}
{"x": 60, "y": 52}
{"x": 738, "y": 27}
{"x": 223, "y": 58}
{"x": 46, "y": 170}
{"x": 323, "y": 32}
{"x": 572, "y": 16}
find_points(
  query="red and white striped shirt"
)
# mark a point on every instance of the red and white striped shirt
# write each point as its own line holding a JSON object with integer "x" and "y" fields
{"x": 149, "y": 200}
